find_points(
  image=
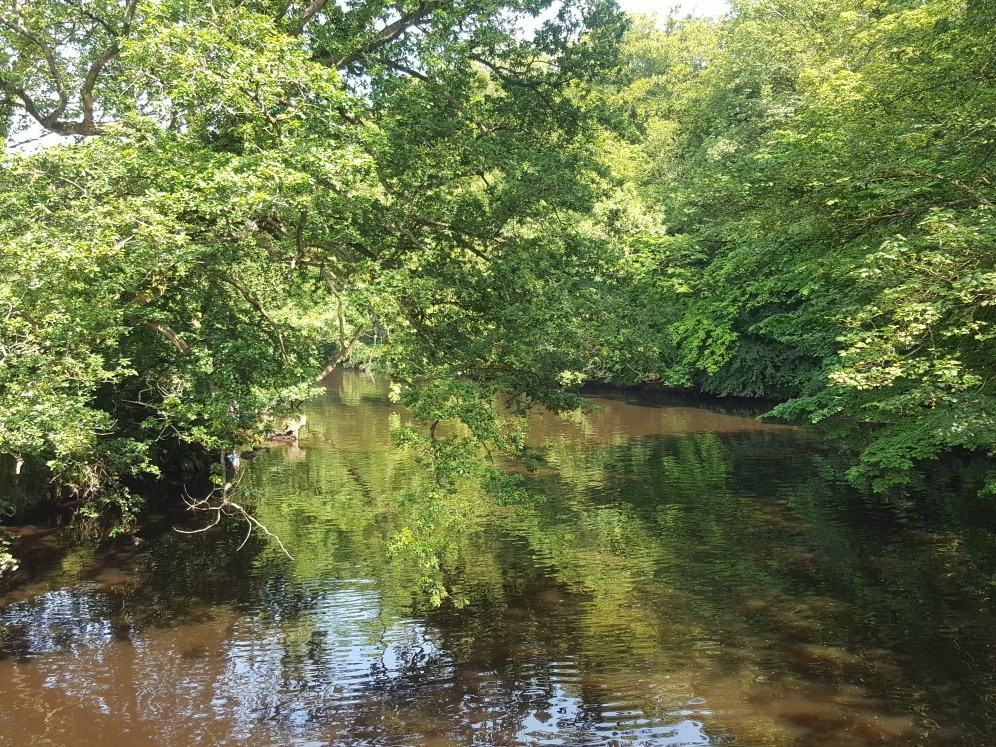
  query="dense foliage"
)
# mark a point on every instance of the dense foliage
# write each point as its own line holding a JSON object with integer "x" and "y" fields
{"x": 820, "y": 178}
{"x": 256, "y": 187}
{"x": 794, "y": 201}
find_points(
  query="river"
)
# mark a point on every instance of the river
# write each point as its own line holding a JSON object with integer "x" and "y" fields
{"x": 683, "y": 575}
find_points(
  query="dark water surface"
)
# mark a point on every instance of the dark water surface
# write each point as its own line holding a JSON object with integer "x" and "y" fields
{"x": 691, "y": 577}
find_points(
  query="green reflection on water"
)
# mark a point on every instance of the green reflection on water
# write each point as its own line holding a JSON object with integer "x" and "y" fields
{"x": 708, "y": 556}
{"x": 685, "y": 575}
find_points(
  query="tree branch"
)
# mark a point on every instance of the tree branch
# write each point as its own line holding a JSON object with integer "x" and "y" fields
{"x": 86, "y": 94}
{"x": 53, "y": 68}
{"x": 86, "y": 126}
{"x": 504, "y": 74}
{"x": 254, "y": 302}
{"x": 454, "y": 101}
{"x": 225, "y": 506}
{"x": 386, "y": 35}
{"x": 313, "y": 9}
{"x": 299, "y": 238}
{"x": 341, "y": 355}
{"x": 166, "y": 331}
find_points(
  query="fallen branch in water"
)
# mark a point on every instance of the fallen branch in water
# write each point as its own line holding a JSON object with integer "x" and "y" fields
{"x": 219, "y": 501}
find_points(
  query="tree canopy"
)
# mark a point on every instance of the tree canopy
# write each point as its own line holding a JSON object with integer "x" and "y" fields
{"x": 490, "y": 197}
{"x": 254, "y": 189}
{"x": 820, "y": 179}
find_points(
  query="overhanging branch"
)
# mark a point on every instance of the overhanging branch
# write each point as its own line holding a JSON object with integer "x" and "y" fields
{"x": 52, "y": 121}
{"x": 254, "y": 302}
{"x": 385, "y": 36}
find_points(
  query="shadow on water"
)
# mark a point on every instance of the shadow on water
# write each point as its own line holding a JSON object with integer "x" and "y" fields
{"x": 688, "y": 576}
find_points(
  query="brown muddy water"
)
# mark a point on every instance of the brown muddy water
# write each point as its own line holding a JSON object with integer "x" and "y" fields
{"x": 685, "y": 576}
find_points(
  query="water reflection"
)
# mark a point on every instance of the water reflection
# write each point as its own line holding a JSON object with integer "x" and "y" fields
{"x": 690, "y": 577}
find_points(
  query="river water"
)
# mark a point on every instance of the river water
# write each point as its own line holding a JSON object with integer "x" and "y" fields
{"x": 683, "y": 575}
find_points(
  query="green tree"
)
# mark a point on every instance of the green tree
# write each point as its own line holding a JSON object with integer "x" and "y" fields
{"x": 252, "y": 189}
{"x": 821, "y": 178}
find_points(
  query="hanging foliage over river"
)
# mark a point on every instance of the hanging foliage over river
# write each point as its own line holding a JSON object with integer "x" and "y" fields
{"x": 257, "y": 188}
{"x": 809, "y": 186}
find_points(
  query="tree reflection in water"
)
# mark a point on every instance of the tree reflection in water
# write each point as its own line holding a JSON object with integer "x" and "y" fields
{"x": 686, "y": 576}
